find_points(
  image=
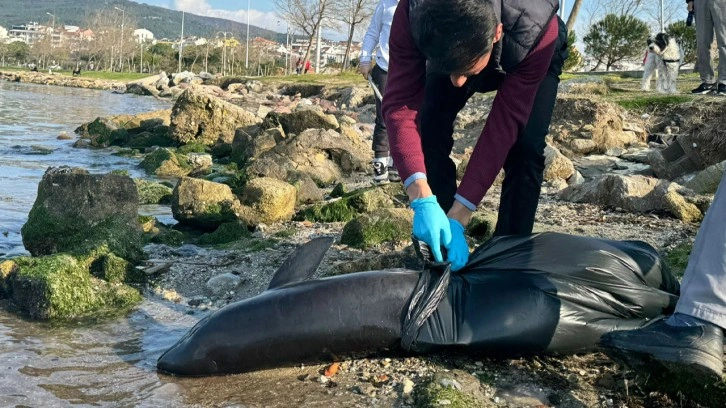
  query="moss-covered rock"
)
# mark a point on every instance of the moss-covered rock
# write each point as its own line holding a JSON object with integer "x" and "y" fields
{"x": 60, "y": 287}
{"x": 300, "y": 120}
{"x": 356, "y": 202}
{"x": 170, "y": 237}
{"x": 272, "y": 200}
{"x": 481, "y": 226}
{"x": 432, "y": 394}
{"x": 204, "y": 204}
{"x": 166, "y": 163}
{"x": 384, "y": 225}
{"x": 225, "y": 233}
{"x": 76, "y": 212}
{"x": 113, "y": 269}
{"x": 151, "y": 192}
{"x": 338, "y": 191}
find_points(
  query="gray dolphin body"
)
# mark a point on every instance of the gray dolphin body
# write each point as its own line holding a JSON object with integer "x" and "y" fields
{"x": 545, "y": 293}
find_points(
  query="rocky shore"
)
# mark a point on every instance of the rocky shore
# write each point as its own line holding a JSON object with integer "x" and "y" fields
{"x": 252, "y": 169}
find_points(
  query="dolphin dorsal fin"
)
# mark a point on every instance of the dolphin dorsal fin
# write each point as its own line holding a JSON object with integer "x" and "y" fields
{"x": 302, "y": 262}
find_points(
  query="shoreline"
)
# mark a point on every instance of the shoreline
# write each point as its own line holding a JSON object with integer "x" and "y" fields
{"x": 60, "y": 79}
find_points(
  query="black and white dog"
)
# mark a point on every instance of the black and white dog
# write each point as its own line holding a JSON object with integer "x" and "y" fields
{"x": 663, "y": 61}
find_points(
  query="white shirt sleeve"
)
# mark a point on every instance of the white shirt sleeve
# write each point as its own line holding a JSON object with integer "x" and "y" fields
{"x": 372, "y": 35}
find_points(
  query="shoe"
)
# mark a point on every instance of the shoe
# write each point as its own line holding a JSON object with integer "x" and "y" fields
{"x": 380, "y": 170}
{"x": 695, "y": 352}
{"x": 703, "y": 89}
{"x": 393, "y": 172}
{"x": 719, "y": 90}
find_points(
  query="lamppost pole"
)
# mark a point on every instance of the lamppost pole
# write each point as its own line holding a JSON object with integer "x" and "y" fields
{"x": 52, "y": 30}
{"x": 247, "y": 47}
{"x": 181, "y": 43}
{"x": 121, "y": 41}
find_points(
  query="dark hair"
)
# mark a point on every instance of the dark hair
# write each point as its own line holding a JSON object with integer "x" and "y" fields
{"x": 453, "y": 34}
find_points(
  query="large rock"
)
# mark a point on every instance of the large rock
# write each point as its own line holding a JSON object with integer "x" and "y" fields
{"x": 707, "y": 181}
{"x": 352, "y": 204}
{"x": 325, "y": 155}
{"x": 77, "y": 212}
{"x": 166, "y": 163}
{"x": 141, "y": 130}
{"x": 633, "y": 193}
{"x": 204, "y": 204}
{"x": 202, "y": 118}
{"x": 384, "y": 225}
{"x": 557, "y": 166}
{"x": 272, "y": 200}
{"x": 61, "y": 287}
{"x": 354, "y": 97}
{"x": 152, "y": 192}
{"x": 300, "y": 120}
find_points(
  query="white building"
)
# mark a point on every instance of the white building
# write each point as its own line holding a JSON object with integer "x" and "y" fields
{"x": 3, "y": 33}
{"x": 143, "y": 35}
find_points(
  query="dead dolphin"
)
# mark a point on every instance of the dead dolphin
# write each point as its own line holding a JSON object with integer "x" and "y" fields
{"x": 544, "y": 293}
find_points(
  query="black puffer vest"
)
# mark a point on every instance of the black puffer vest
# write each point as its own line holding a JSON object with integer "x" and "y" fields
{"x": 524, "y": 22}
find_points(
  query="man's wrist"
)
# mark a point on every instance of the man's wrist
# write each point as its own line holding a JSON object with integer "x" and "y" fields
{"x": 460, "y": 213}
{"x": 418, "y": 189}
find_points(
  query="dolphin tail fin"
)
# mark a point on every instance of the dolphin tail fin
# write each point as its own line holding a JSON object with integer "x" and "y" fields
{"x": 302, "y": 263}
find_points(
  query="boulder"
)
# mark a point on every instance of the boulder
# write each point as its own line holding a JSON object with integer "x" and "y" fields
{"x": 325, "y": 155}
{"x": 272, "y": 200}
{"x": 201, "y": 118}
{"x": 631, "y": 193}
{"x": 151, "y": 192}
{"x": 707, "y": 181}
{"x": 247, "y": 146}
{"x": 204, "y": 204}
{"x": 677, "y": 205}
{"x": 307, "y": 191}
{"x": 557, "y": 166}
{"x": 60, "y": 287}
{"x": 300, "y": 121}
{"x": 166, "y": 163}
{"x": 351, "y": 204}
{"x": 221, "y": 284}
{"x": 582, "y": 146}
{"x": 200, "y": 162}
{"x": 77, "y": 212}
{"x": 384, "y": 225}
{"x": 354, "y": 97}
{"x": 141, "y": 130}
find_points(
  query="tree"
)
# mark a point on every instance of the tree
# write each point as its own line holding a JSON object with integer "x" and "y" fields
{"x": 615, "y": 38}
{"x": 352, "y": 13}
{"x": 685, "y": 37}
{"x": 574, "y": 58}
{"x": 19, "y": 51}
{"x": 306, "y": 15}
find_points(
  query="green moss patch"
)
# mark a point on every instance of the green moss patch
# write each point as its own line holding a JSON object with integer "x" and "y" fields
{"x": 166, "y": 163}
{"x": 153, "y": 193}
{"x": 346, "y": 208}
{"x": 61, "y": 287}
{"x": 677, "y": 258}
{"x": 432, "y": 395}
{"x": 385, "y": 225}
{"x": 225, "y": 233}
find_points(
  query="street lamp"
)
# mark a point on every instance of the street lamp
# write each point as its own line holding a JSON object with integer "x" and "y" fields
{"x": 181, "y": 43}
{"x": 121, "y": 41}
{"x": 52, "y": 29}
{"x": 247, "y": 47}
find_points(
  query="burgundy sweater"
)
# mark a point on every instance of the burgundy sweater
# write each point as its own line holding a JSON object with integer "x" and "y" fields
{"x": 510, "y": 109}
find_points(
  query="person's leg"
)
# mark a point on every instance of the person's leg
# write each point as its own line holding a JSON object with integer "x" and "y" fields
{"x": 704, "y": 38}
{"x": 690, "y": 341}
{"x": 380, "y": 137}
{"x": 718, "y": 13}
{"x": 524, "y": 166}
{"x": 703, "y": 291}
{"x": 442, "y": 102}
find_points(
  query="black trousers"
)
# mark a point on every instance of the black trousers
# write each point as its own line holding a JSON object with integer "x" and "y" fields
{"x": 380, "y": 136}
{"x": 524, "y": 165}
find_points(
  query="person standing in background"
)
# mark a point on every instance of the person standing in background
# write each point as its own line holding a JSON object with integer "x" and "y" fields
{"x": 710, "y": 19}
{"x": 377, "y": 34}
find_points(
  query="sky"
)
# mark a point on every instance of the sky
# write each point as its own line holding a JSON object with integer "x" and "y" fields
{"x": 262, "y": 12}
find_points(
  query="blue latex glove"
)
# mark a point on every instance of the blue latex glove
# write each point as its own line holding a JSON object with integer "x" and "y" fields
{"x": 431, "y": 225}
{"x": 458, "y": 249}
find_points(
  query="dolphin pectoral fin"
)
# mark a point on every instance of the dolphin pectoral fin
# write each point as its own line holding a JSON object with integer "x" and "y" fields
{"x": 302, "y": 263}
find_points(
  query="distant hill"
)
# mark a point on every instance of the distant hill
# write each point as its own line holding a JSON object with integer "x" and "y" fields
{"x": 164, "y": 23}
